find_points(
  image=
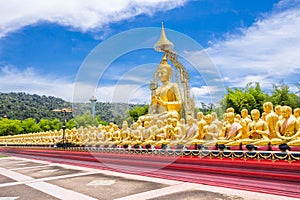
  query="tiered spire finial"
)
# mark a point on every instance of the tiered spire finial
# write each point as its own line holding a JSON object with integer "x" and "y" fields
{"x": 163, "y": 44}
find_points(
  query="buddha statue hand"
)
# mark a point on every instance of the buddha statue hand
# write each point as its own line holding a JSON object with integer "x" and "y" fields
{"x": 158, "y": 100}
{"x": 154, "y": 100}
{"x": 251, "y": 132}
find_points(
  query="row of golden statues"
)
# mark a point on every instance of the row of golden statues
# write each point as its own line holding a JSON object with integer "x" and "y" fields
{"x": 233, "y": 130}
{"x": 166, "y": 125}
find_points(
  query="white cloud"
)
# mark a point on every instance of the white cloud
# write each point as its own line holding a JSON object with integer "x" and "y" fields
{"x": 203, "y": 90}
{"x": 82, "y": 15}
{"x": 13, "y": 80}
{"x": 267, "y": 52}
{"x": 123, "y": 93}
{"x": 29, "y": 81}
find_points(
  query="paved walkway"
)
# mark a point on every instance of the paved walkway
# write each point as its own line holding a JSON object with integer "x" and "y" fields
{"x": 26, "y": 179}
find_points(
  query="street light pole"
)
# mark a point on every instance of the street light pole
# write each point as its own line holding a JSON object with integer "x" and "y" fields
{"x": 64, "y": 127}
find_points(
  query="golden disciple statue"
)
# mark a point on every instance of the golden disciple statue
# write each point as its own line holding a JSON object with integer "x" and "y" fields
{"x": 257, "y": 130}
{"x": 271, "y": 119}
{"x": 166, "y": 97}
{"x": 287, "y": 128}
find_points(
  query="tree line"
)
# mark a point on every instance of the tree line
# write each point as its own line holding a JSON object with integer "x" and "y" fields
{"x": 33, "y": 113}
{"x": 22, "y": 106}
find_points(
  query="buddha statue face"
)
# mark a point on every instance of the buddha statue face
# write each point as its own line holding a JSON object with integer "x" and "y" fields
{"x": 278, "y": 110}
{"x": 255, "y": 114}
{"x": 163, "y": 74}
{"x": 230, "y": 117}
{"x": 224, "y": 117}
{"x": 160, "y": 123}
{"x": 244, "y": 113}
{"x": 174, "y": 122}
{"x": 229, "y": 110}
{"x": 190, "y": 120}
{"x": 214, "y": 116}
{"x": 139, "y": 122}
{"x": 164, "y": 71}
{"x": 115, "y": 127}
{"x": 182, "y": 121}
{"x": 146, "y": 124}
{"x": 297, "y": 112}
{"x": 268, "y": 107}
{"x": 169, "y": 121}
{"x": 124, "y": 126}
{"x": 263, "y": 116}
{"x": 200, "y": 115}
{"x": 135, "y": 125}
{"x": 286, "y": 111}
{"x": 208, "y": 118}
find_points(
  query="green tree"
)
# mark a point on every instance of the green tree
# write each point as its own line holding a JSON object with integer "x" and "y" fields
{"x": 100, "y": 121}
{"x": 29, "y": 125}
{"x": 86, "y": 120}
{"x": 250, "y": 97}
{"x": 71, "y": 124}
{"x": 138, "y": 111}
{"x": 45, "y": 124}
{"x": 281, "y": 96}
{"x": 10, "y": 127}
{"x": 56, "y": 124}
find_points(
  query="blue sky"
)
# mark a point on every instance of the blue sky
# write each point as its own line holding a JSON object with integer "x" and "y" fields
{"x": 46, "y": 47}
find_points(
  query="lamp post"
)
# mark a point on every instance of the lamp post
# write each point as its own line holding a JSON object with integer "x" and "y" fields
{"x": 64, "y": 111}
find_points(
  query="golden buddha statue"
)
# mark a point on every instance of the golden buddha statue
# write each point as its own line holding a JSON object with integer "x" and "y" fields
{"x": 160, "y": 133}
{"x": 287, "y": 128}
{"x": 190, "y": 131}
{"x": 238, "y": 118}
{"x": 224, "y": 120}
{"x": 167, "y": 97}
{"x": 149, "y": 134}
{"x": 263, "y": 116}
{"x": 146, "y": 131}
{"x": 229, "y": 110}
{"x": 116, "y": 136}
{"x": 232, "y": 131}
{"x": 177, "y": 129}
{"x": 210, "y": 131}
{"x": 216, "y": 121}
{"x": 245, "y": 120}
{"x": 297, "y": 114}
{"x": 136, "y": 134}
{"x": 257, "y": 131}
{"x": 169, "y": 128}
{"x": 271, "y": 119}
{"x": 277, "y": 110}
{"x": 125, "y": 134}
{"x": 107, "y": 135}
{"x": 200, "y": 124}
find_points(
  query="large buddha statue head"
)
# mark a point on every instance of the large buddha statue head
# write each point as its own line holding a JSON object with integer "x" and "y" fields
{"x": 164, "y": 70}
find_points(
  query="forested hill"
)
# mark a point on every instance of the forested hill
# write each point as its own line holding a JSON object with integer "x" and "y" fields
{"x": 22, "y": 106}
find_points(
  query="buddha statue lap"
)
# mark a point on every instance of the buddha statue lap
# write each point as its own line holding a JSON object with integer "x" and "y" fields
{"x": 257, "y": 131}
{"x": 231, "y": 132}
